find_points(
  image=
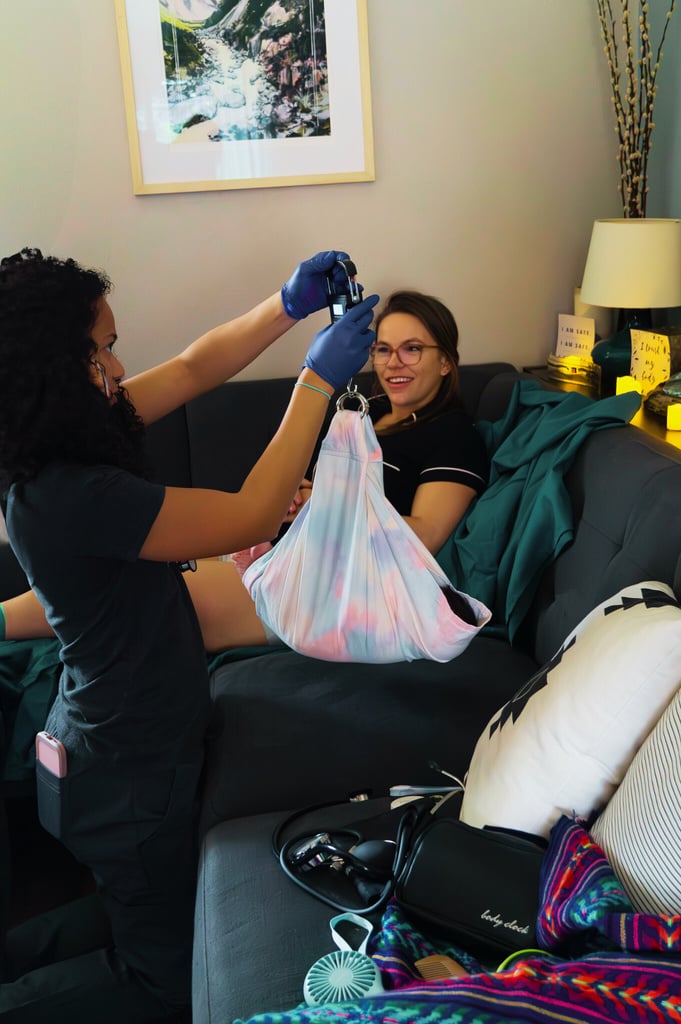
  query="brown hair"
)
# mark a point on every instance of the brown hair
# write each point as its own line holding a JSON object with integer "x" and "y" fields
{"x": 440, "y": 323}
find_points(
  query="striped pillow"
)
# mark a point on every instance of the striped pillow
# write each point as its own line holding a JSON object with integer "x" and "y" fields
{"x": 640, "y": 829}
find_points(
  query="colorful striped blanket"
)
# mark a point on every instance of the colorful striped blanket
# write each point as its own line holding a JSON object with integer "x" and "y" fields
{"x": 599, "y": 961}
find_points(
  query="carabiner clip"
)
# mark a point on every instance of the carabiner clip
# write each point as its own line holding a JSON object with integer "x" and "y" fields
{"x": 352, "y": 391}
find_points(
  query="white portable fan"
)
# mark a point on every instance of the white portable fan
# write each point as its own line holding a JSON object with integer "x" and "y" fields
{"x": 346, "y": 973}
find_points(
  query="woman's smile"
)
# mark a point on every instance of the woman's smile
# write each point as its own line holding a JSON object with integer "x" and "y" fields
{"x": 409, "y": 363}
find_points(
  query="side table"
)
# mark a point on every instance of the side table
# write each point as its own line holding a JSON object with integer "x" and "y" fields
{"x": 653, "y": 425}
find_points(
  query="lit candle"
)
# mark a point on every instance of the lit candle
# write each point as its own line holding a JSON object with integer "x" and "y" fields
{"x": 624, "y": 384}
{"x": 674, "y": 416}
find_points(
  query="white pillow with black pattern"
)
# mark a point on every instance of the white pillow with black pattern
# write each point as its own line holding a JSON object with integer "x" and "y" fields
{"x": 640, "y": 829}
{"x": 564, "y": 742}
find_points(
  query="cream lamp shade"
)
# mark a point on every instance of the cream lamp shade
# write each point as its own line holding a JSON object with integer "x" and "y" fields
{"x": 633, "y": 264}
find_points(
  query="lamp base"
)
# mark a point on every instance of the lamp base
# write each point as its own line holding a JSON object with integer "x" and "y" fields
{"x": 613, "y": 354}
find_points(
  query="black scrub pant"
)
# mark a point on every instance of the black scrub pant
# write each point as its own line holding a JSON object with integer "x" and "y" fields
{"x": 125, "y": 955}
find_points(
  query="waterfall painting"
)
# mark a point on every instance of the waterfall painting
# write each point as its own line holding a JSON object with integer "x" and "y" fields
{"x": 224, "y": 94}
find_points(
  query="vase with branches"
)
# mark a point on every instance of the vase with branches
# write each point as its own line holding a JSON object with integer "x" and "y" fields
{"x": 633, "y": 64}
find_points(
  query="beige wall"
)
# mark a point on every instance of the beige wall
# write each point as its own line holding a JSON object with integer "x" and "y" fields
{"x": 494, "y": 153}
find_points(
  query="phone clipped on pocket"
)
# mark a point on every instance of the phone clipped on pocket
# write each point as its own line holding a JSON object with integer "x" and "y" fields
{"x": 51, "y": 753}
{"x": 51, "y": 777}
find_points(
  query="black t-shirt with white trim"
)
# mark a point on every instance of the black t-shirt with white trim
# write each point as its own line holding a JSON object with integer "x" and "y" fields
{"x": 445, "y": 448}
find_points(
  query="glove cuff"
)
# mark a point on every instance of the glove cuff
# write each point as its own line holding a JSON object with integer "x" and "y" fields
{"x": 289, "y": 307}
{"x": 330, "y": 377}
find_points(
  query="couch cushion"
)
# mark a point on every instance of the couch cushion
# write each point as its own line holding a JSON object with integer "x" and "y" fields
{"x": 289, "y": 730}
{"x": 625, "y": 488}
{"x": 566, "y": 739}
{"x": 256, "y": 933}
{"x": 640, "y": 829}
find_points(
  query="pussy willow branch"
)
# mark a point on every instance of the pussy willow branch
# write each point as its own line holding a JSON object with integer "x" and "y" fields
{"x": 633, "y": 82}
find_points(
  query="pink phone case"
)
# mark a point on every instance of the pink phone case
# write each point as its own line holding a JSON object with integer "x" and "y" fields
{"x": 51, "y": 753}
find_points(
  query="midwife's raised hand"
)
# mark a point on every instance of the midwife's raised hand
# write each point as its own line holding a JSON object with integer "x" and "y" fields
{"x": 306, "y": 290}
{"x": 340, "y": 351}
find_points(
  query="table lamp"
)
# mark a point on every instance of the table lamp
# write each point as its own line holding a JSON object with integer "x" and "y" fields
{"x": 633, "y": 265}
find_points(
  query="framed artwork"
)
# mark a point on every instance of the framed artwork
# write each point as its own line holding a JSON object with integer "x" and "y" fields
{"x": 224, "y": 94}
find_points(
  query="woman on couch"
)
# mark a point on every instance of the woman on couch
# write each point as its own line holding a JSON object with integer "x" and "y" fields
{"x": 435, "y": 464}
{"x": 434, "y": 460}
{"x": 102, "y": 547}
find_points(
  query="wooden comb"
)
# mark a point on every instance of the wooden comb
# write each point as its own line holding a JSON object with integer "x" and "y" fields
{"x": 432, "y": 968}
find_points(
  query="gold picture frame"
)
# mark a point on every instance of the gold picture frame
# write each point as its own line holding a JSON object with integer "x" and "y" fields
{"x": 215, "y": 104}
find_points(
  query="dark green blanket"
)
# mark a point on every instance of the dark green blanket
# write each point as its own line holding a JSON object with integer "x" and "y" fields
{"x": 29, "y": 678}
{"x": 523, "y": 520}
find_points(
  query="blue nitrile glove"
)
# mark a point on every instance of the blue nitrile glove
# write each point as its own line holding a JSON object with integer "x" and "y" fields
{"x": 341, "y": 350}
{"x": 306, "y": 291}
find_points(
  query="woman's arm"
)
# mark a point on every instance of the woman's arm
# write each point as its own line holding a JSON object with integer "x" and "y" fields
{"x": 436, "y": 510}
{"x": 199, "y": 523}
{"x": 211, "y": 359}
{"x": 225, "y": 350}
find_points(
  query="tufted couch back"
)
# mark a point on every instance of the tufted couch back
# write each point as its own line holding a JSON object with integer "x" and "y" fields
{"x": 625, "y": 488}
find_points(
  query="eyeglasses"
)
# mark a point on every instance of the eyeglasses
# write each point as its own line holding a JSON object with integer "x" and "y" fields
{"x": 409, "y": 353}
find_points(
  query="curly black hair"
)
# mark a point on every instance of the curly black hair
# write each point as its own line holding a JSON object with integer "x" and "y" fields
{"x": 50, "y": 409}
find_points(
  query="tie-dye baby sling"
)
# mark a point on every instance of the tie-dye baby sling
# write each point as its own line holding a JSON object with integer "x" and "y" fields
{"x": 350, "y": 580}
